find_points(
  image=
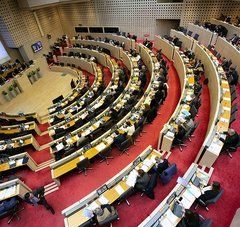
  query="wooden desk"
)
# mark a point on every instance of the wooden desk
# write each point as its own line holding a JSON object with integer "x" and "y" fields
{"x": 13, "y": 188}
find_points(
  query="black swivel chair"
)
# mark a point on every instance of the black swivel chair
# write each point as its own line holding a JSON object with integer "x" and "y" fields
{"x": 189, "y": 33}
{"x": 210, "y": 201}
{"x": 233, "y": 96}
{"x": 124, "y": 146}
{"x": 196, "y": 36}
{"x": 136, "y": 134}
{"x": 104, "y": 154}
{"x": 234, "y": 108}
{"x": 233, "y": 117}
{"x": 83, "y": 166}
{"x": 125, "y": 195}
{"x": 12, "y": 210}
{"x": 233, "y": 149}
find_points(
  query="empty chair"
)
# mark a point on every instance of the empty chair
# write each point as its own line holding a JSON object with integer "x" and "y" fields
{"x": 123, "y": 147}
{"x": 125, "y": 195}
{"x": 196, "y": 36}
{"x": 233, "y": 117}
{"x": 189, "y": 33}
{"x": 233, "y": 96}
{"x": 104, "y": 154}
{"x": 232, "y": 88}
{"x": 234, "y": 108}
{"x": 167, "y": 174}
{"x": 82, "y": 166}
{"x": 9, "y": 208}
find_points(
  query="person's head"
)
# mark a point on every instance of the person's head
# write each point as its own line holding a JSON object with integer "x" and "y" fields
{"x": 140, "y": 172}
{"x": 28, "y": 195}
{"x": 158, "y": 160}
{"x": 98, "y": 211}
{"x": 216, "y": 186}
{"x": 231, "y": 132}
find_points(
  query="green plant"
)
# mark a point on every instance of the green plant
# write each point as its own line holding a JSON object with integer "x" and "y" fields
{"x": 4, "y": 92}
{"x": 29, "y": 75}
{"x": 32, "y": 73}
{"x": 38, "y": 69}
{"x": 10, "y": 88}
{"x": 15, "y": 84}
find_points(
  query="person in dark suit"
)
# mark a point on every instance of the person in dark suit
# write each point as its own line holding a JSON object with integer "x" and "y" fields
{"x": 142, "y": 180}
{"x": 190, "y": 219}
{"x": 161, "y": 165}
{"x": 231, "y": 139}
{"x": 7, "y": 205}
{"x": 120, "y": 138}
{"x": 209, "y": 192}
{"x": 36, "y": 197}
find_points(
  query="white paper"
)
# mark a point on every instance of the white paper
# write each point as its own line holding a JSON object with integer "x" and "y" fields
{"x": 119, "y": 189}
{"x": 103, "y": 200}
{"x": 194, "y": 190}
{"x": 144, "y": 168}
{"x": 132, "y": 178}
{"x": 100, "y": 146}
{"x": 186, "y": 203}
{"x": 93, "y": 206}
{"x": 59, "y": 146}
{"x": 171, "y": 216}
{"x": 147, "y": 162}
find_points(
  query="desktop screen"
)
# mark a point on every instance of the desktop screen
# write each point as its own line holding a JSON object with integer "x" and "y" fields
{"x": 37, "y": 46}
{"x": 4, "y": 57}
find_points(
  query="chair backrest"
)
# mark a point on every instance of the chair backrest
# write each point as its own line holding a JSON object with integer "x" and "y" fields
{"x": 216, "y": 198}
{"x": 233, "y": 117}
{"x": 232, "y": 88}
{"x": 205, "y": 223}
{"x": 113, "y": 217}
{"x": 233, "y": 96}
{"x": 196, "y": 36}
{"x": 83, "y": 164}
{"x": 125, "y": 144}
{"x": 189, "y": 33}
{"x": 136, "y": 133}
{"x": 167, "y": 174}
{"x": 234, "y": 108}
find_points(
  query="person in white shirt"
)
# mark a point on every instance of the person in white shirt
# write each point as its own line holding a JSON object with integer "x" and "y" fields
{"x": 130, "y": 129}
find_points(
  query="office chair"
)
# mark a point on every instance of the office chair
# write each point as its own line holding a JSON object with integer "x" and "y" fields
{"x": 82, "y": 166}
{"x": 233, "y": 118}
{"x": 205, "y": 223}
{"x": 12, "y": 211}
{"x": 189, "y": 33}
{"x": 210, "y": 201}
{"x": 136, "y": 134}
{"x": 232, "y": 88}
{"x": 234, "y": 108}
{"x": 233, "y": 96}
{"x": 104, "y": 154}
{"x": 125, "y": 195}
{"x": 124, "y": 146}
{"x": 114, "y": 216}
{"x": 167, "y": 174}
{"x": 196, "y": 36}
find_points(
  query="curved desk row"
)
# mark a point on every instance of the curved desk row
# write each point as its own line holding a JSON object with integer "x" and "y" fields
{"x": 129, "y": 43}
{"x": 220, "y": 108}
{"x": 186, "y": 76}
{"x": 186, "y": 195}
{"x": 111, "y": 191}
{"x": 18, "y": 117}
{"x": 232, "y": 29}
{"x": 114, "y": 50}
{"x": 229, "y": 51}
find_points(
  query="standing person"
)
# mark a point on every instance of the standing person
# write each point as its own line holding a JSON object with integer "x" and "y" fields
{"x": 36, "y": 197}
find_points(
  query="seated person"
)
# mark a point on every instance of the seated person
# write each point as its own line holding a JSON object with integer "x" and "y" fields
{"x": 161, "y": 165}
{"x": 209, "y": 192}
{"x": 190, "y": 219}
{"x": 80, "y": 140}
{"x": 130, "y": 129}
{"x": 231, "y": 140}
{"x": 120, "y": 138}
{"x": 142, "y": 180}
{"x": 104, "y": 212}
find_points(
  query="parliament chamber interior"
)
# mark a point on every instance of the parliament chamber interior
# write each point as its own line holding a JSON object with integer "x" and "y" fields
{"x": 119, "y": 113}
